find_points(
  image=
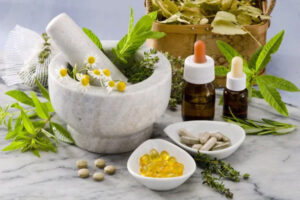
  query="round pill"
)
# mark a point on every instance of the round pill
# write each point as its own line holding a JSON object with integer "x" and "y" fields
{"x": 83, "y": 173}
{"x": 81, "y": 164}
{"x": 100, "y": 163}
{"x": 98, "y": 176}
{"x": 110, "y": 169}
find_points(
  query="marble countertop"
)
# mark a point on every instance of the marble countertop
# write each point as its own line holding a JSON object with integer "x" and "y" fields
{"x": 272, "y": 161}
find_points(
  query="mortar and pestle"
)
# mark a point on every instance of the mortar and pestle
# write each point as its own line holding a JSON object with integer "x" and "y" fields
{"x": 99, "y": 121}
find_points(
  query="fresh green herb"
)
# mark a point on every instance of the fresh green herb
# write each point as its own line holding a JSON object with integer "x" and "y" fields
{"x": 45, "y": 53}
{"x": 93, "y": 37}
{"x": 142, "y": 69}
{"x": 32, "y": 129}
{"x": 177, "y": 80}
{"x": 136, "y": 37}
{"x": 263, "y": 127}
{"x": 221, "y": 169}
{"x": 267, "y": 84}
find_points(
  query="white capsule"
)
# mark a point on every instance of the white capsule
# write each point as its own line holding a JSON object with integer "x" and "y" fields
{"x": 209, "y": 144}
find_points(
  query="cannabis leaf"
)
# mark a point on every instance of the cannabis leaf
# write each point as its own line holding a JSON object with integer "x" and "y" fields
{"x": 93, "y": 37}
{"x": 136, "y": 37}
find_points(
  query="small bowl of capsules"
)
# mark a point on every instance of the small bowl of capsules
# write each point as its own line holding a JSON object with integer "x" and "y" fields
{"x": 160, "y": 165}
{"x": 216, "y": 139}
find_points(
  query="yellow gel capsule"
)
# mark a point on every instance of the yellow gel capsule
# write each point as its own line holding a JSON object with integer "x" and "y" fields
{"x": 164, "y": 155}
{"x": 145, "y": 159}
{"x": 154, "y": 154}
{"x": 172, "y": 160}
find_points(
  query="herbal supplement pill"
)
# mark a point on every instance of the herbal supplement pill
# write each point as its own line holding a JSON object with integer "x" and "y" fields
{"x": 164, "y": 155}
{"x": 197, "y": 146}
{"x": 83, "y": 173}
{"x": 100, "y": 163}
{"x": 221, "y": 146}
{"x": 217, "y": 135}
{"x": 183, "y": 132}
{"x": 81, "y": 164}
{"x": 189, "y": 140}
{"x": 209, "y": 144}
{"x": 110, "y": 169}
{"x": 203, "y": 137}
{"x": 154, "y": 154}
{"x": 98, "y": 176}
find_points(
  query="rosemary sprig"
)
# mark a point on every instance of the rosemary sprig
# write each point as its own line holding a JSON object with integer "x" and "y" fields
{"x": 263, "y": 127}
{"x": 222, "y": 169}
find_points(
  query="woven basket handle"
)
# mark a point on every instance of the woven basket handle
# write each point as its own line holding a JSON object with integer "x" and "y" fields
{"x": 267, "y": 9}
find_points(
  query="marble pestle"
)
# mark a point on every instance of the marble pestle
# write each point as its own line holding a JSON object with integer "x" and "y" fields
{"x": 77, "y": 46}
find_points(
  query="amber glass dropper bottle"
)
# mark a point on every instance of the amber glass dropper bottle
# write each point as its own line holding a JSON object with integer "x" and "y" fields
{"x": 198, "y": 100}
{"x": 235, "y": 93}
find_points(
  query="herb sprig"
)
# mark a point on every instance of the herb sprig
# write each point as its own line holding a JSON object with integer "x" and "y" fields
{"x": 222, "y": 170}
{"x": 32, "y": 129}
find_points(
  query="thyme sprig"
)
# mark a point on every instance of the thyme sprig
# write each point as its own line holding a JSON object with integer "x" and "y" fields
{"x": 45, "y": 53}
{"x": 222, "y": 170}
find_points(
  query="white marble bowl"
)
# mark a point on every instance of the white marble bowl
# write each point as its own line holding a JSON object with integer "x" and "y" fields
{"x": 234, "y": 132}
{"x": 133, "y": 165}
{"x": 115, "y": 122}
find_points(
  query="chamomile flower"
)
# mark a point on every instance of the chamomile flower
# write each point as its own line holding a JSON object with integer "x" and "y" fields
{"x": 84, "y": 80}
{"x": 62, "y": 72}
{"x": 121, "y": 86}
{"x": 106, "y": 72}
{"x": 96, "y": 76}
{"x": 112, "y": 85}
{"x": 91, "y": 61}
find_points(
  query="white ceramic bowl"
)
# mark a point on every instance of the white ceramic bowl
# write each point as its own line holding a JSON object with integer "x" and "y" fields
{"x": 236, "y": 134}
{"x": 102, "y": 122}
{"x": 133, "y": 165}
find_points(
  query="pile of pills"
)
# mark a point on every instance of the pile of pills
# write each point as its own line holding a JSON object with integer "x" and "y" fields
{"x": 160, "y": 165}
{"x": 84, "y": 172}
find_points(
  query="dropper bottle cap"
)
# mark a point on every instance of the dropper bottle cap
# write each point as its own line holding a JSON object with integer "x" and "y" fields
{"x": 236, "y": 78}
{"x": 199, "y": 68}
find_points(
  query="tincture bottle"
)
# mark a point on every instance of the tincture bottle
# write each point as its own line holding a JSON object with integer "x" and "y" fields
{"x": 235, "y": 93}
{"x": 198, "y": 100}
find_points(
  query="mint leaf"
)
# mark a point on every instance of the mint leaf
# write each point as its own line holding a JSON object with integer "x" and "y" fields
{"x": 43, "y": 90}
{"x": 27, "y": 123}
{"x": 20, "y": 96}
{"x": 271, "y": 47}
{"x": 61, "y": 133}
{"x": 279, "y": 83}
{"x": 136, "y": 37}
{"x": 93, "y": 37}
{"x": 41, "y": 109}
{"x": 272, "y": 96}
{"x": 221, "y": 70}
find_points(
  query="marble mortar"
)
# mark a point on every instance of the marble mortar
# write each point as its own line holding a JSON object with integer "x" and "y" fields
{"x": 110, "y": 123}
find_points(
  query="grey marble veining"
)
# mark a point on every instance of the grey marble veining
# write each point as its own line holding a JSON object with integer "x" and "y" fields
{"x": 272, "y": 161}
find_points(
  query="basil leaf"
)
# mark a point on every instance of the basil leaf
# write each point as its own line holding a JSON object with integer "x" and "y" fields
{"x": 20, "y": 96}
{"x": 93, "y": 37}
{"x": 272, "y": 96}
{"x": 43, "y": 90}
{"x": 279, "y": 83}
{"x": 61, "y": 133}
{"x": 271, "y": 47}
{"x": 41, "y": 109}
{"x": 221, "y": 70}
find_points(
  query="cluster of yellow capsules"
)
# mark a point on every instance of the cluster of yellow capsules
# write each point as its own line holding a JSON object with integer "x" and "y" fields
{"x": 160, "y": 165}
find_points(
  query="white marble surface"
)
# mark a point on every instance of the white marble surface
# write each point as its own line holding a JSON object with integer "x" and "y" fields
{"x": 272, "y": 161}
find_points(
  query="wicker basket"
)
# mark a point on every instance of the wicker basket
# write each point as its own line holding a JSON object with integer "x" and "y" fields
{"x": 179, "y": 39}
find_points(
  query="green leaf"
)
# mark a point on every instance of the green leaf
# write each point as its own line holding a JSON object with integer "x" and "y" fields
{"x": 21, "y": 97}
{"x": 27, "y": 123}
{"x": 279, "y": 83}
{"x": 49, "y": 107}
{"x": 61, "y": 133}
{"x": 228, "y": 51}
{"x": 272, "y": 96}
{"x": 136, "y": 37}
{"x": 271, "y": 47}
{"x": 43, "y": 90}
{"x": 35, "y": 152}
{"x": 41, "y": 109}
{"x": 256, "y": 93}
{"x": 252, "y": 62}
{"x": 93, "y": 37}
{"x": 221, "y": 70}
{"x": 15, "y": 145}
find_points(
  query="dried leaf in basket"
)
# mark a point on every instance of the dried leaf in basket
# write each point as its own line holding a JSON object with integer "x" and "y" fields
{"x": 226, "y": 23}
